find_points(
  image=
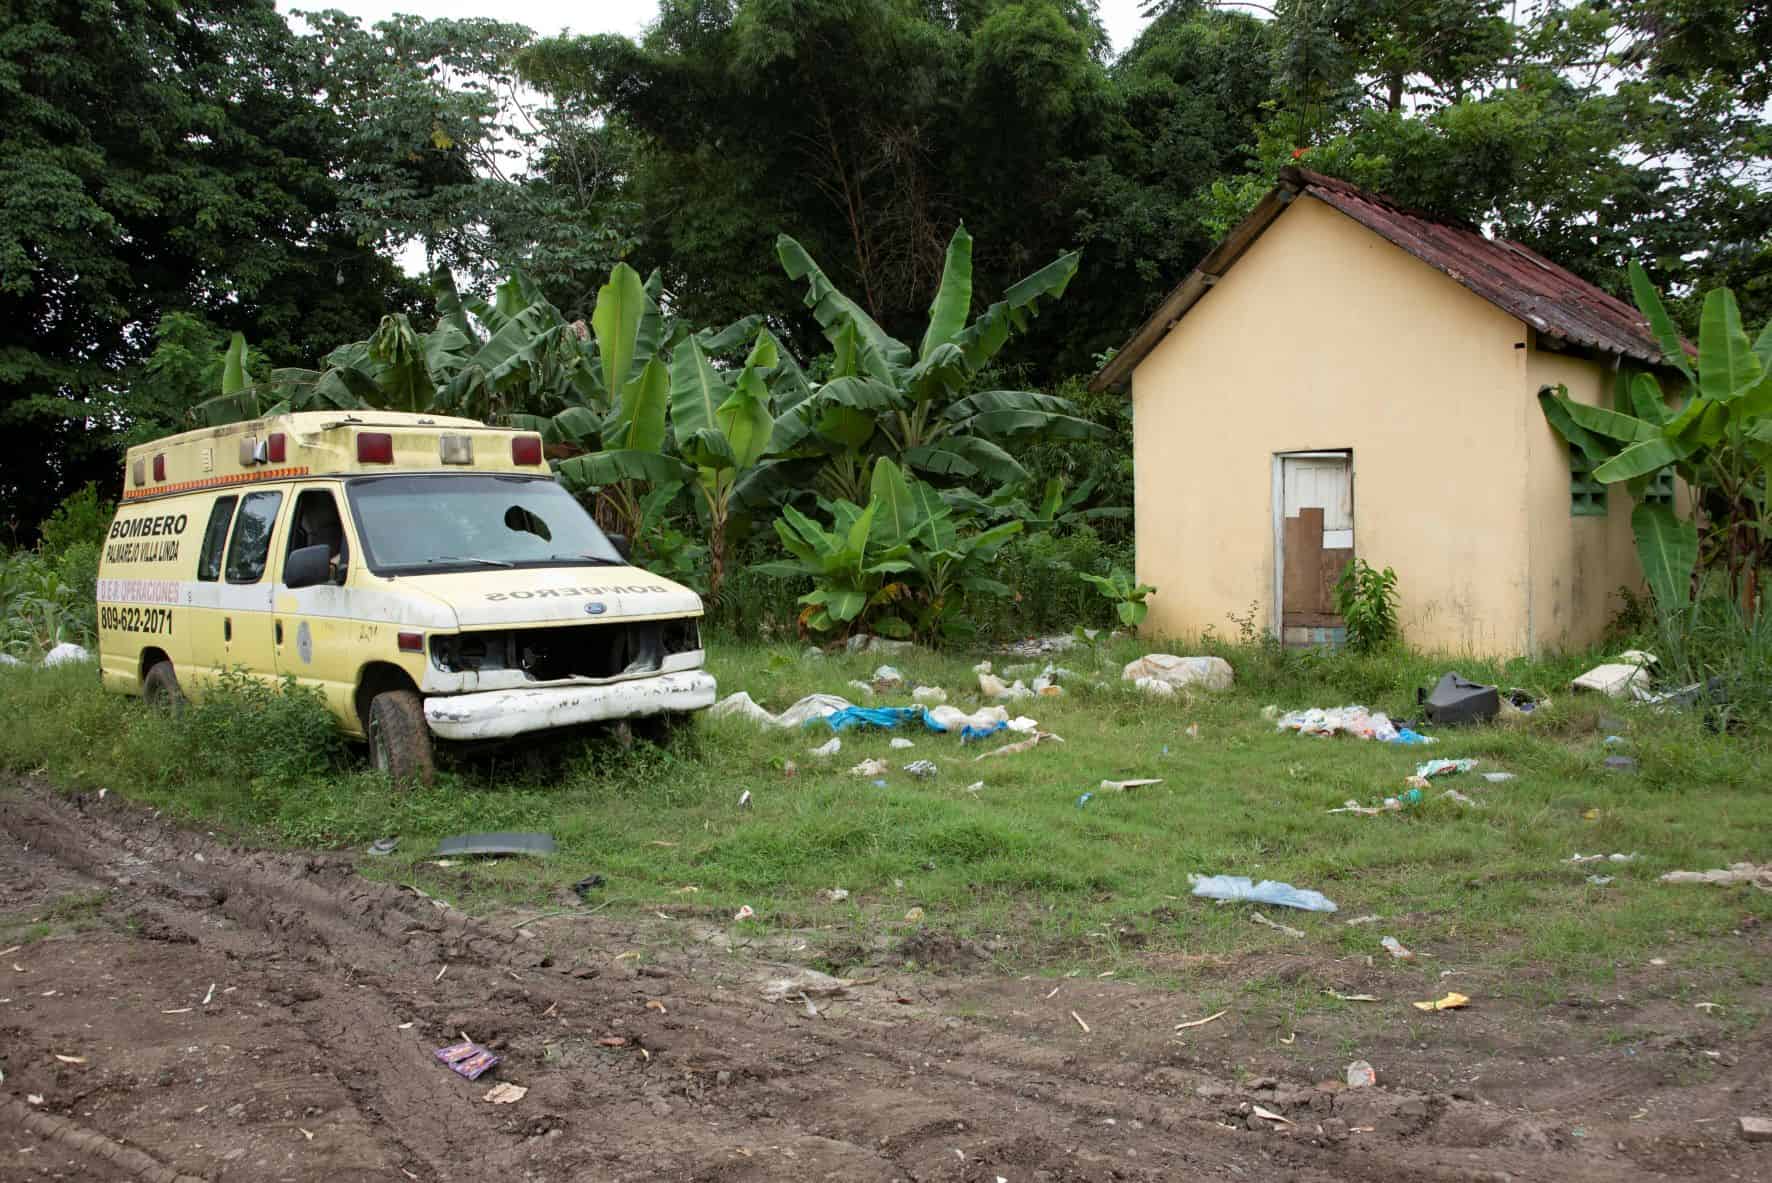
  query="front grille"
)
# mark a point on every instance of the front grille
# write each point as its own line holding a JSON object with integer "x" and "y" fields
{"x": 549, "y": 654}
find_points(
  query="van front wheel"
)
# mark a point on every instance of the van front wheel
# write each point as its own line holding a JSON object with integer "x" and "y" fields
{"x": 399, "y": 740}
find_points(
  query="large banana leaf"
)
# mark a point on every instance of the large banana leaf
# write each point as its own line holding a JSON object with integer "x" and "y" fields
{"x": 745, "y": 421}
{"x": 1008, "y": 400}
{"x": 898, "y": 517}
{"x": 1647, "y": 400}
{"x": 1673, "y": 349}
{"x": 1624, "y": 428}
{"x": 953, "y": 299}
{"x": 697, "y": 389}
{"x": 1727, "y": 364}
{"x": 833, "y": 310}
{"x": 717, "y": 342}
{"x": 965, "y": 456}
{"x": 997, "y": 424}
{"x": 606, "y": 468}
{"x": 1763, "y": 347}
{"x": 1668, "y": 547}
{"x": 706, "y": 448}
{"x": 233, "y": 379}
{"x": 640, "y": 424}
{"x": 986, "y": 335}
{"x": 400, "y": 371}
{"x": 1641, "y": 459}
{"x": 450, "y": 310}
{"x": 621, "y": 303}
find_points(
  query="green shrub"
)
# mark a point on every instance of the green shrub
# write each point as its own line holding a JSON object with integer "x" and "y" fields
{"x": 1367, "y": 601}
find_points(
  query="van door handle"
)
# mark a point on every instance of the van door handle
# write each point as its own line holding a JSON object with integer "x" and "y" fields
{"x": 227, "y": 628}
{"x": 279, "y": 632}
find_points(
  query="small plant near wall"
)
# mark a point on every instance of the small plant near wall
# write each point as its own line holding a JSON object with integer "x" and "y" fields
{"x": 1127, "y": 595}
{"x": 1366, "y": 600}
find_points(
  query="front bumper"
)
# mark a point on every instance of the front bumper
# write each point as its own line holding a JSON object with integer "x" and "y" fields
{"x": 497, "y": 714}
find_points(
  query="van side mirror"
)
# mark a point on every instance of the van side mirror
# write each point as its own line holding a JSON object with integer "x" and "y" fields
{"x": 307, "y": 567}
{"x": 621, "y": 545}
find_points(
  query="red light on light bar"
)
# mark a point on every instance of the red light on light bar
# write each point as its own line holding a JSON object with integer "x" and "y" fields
{"x": 276, "y": 448}
{"x": 412, "y": 642}
{"x": 159, "y": 468}
{"x": 375, "y": 447}
{"x": 526, "y": 449}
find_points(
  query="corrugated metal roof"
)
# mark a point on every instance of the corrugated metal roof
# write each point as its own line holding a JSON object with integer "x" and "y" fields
{"x": 1555, "y": 302}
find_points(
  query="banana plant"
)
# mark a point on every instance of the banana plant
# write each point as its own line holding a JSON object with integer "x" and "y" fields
{"x": 1715, "y": 434}
{"x": 847, "y": 564}
{"x": 885, "y": 399}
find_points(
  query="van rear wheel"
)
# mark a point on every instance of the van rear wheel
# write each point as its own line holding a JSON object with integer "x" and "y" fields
{"x": 160, "y": 687}
{"x": 399, "y": 739}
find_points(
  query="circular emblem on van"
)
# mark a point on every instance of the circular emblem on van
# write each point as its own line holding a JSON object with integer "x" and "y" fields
{"x": 596, "y": 608}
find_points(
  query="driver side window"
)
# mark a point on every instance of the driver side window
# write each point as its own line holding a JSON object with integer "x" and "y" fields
{"x": 316, "y": 522}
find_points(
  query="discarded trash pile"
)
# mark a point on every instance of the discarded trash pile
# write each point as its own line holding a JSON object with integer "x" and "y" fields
{"x": 1356, "y": 721}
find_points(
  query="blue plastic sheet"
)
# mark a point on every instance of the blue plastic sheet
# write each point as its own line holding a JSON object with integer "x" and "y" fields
{"x": 883, "y": 717}
{"x": 1405, "y": 735}
{"x": 969, "y": 733}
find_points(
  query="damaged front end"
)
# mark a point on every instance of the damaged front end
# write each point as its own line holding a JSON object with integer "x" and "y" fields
{"x": 555, "y": 653}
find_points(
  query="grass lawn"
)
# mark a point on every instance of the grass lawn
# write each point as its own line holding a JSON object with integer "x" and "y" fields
{"x": 1042, "y": 881}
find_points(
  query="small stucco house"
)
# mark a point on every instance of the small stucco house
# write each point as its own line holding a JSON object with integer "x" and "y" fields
{"x": 1341, "y": 377}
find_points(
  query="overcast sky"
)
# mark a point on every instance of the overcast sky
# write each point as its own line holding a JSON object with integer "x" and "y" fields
{"x": 616, "y": 16}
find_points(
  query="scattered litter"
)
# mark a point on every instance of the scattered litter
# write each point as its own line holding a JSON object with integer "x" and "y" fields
{"x": 921, "y": 768}
{"x": 70, "y": 1059}
{"x": 1023, "y": 725}
{"x": 383, "y": 846}
{"x": 975, "y": 786}
{"x": 1456, "y": 699}
{"x": 899, "y": 743}
{"x": 1620, "y": 764}
{"x": 308, "y": 1134}
{"x": 467, "y": 1058}
{"x": 744, "y": 913}
{"x": 1759, "y": 876}
{"x": 1236, "y": 887}
{"x": 878, "y": 784}
{"x": 1368, "y": 919}
{"x": 1361, "y": 1075}
{"x": 1499, "y": 778}
{"x": 829, "y": 748}
{"x": 65, "y": 653}
{"x": 866, "y": 643}
{"x": 1614, "y": 741}
{"x": 210, "y": 996}
{"x": 1193, "y": 731}
{"x": 836, "y": 895}
{"x": 1355, "y": 720}
{"x": 949, "y": 718}
{"x": 885, "y": 718}
{"x": 1600, "y": 880}
{"x": 744, "y": 799}
{"x": 1269, "y": 1115}
{"x": 584, "y": 887}
{"x": 1754, "y": 1129}
{"x": 1435, "y": 768}
{"x": 886, "y": 678}
{"x": 914, "y": 916}
{"x": 1455, "y": 795}
{"x": 500, "y": 842}
{"x": 183, "y": 1010}
{"x": 1202, "y": 1022}
{"x": 1706, "y": 1007}
{"x": 1258, "y": 918}
{"x": 1177, "y": 673}
{"x": 504, "y": 1093}
{"x": 1023, "y": 745}
{"x": 34, "y": 1098}
{"x": 1085, "y": 799}
{"x": 869, "y": 768}
{"x": 1120, "y": 786}
{"x": 929, "y": 695}
{"x": 805, "y": 983}
{"x": 1627, "y": 676}
{"x": 440, "y": 974}
{"x": 1396, "y": 949}
{"x": 813, "y": 706}
{"x": 1353, "y": 997}
{"x": 861, "y": 688}
{"x": 1080, "y": 1022}
{"x": 1270, "y": 712}
{"x": 1450, "y": 1002}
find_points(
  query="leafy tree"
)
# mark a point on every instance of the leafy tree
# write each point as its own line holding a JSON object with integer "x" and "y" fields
{"x": 155, "y": 158}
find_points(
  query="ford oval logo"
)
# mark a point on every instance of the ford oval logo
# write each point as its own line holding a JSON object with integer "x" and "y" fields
{"x": 596, "y": 608}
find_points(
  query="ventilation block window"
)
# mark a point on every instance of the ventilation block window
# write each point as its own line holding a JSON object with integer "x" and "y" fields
{"x": 1587, "y": 497}
{"x": 1661, "y": 488}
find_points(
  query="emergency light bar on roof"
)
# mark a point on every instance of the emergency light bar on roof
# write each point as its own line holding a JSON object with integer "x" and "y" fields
{"x": 308, "y": 444}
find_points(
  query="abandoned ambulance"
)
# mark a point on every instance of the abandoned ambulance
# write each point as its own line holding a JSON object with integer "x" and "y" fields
{"x": 425, "y": 574}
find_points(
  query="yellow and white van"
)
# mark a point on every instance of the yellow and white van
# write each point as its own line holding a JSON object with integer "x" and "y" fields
{"x": 426, "y": 574}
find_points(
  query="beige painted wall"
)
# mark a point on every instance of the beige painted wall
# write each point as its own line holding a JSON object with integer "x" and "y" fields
{"x": 1578, "y": 563}
{"x": 1325, "y": 336}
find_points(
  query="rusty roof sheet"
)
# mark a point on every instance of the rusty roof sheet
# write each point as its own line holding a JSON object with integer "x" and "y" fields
{"x": 1555, "y": 302}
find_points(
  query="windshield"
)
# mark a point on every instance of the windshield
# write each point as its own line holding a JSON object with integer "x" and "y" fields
{"x": 453, "y": 523}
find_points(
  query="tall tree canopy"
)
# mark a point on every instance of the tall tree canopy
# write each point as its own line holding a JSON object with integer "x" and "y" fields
{"x": 155, "y": 157}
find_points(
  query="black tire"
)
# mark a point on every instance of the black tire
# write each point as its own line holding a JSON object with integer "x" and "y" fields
{"x": 659, "y": 728}
{"x": 160, "y": 687}
{"x": 399, "y": 739}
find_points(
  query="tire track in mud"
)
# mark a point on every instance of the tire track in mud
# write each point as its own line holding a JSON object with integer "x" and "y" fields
{"x": 728, "y": 1087}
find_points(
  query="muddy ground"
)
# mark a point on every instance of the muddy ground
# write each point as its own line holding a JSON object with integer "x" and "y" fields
{"x": 199, "y": 1011}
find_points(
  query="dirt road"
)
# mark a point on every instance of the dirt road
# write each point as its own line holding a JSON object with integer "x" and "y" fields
{"x": 205, "y": 1012}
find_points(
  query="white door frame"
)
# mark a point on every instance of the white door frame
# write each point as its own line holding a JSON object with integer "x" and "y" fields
{"x": 1276, "y": 625}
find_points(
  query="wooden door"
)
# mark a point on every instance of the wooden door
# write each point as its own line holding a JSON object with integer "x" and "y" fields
{"x": 1317, "y": 541}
